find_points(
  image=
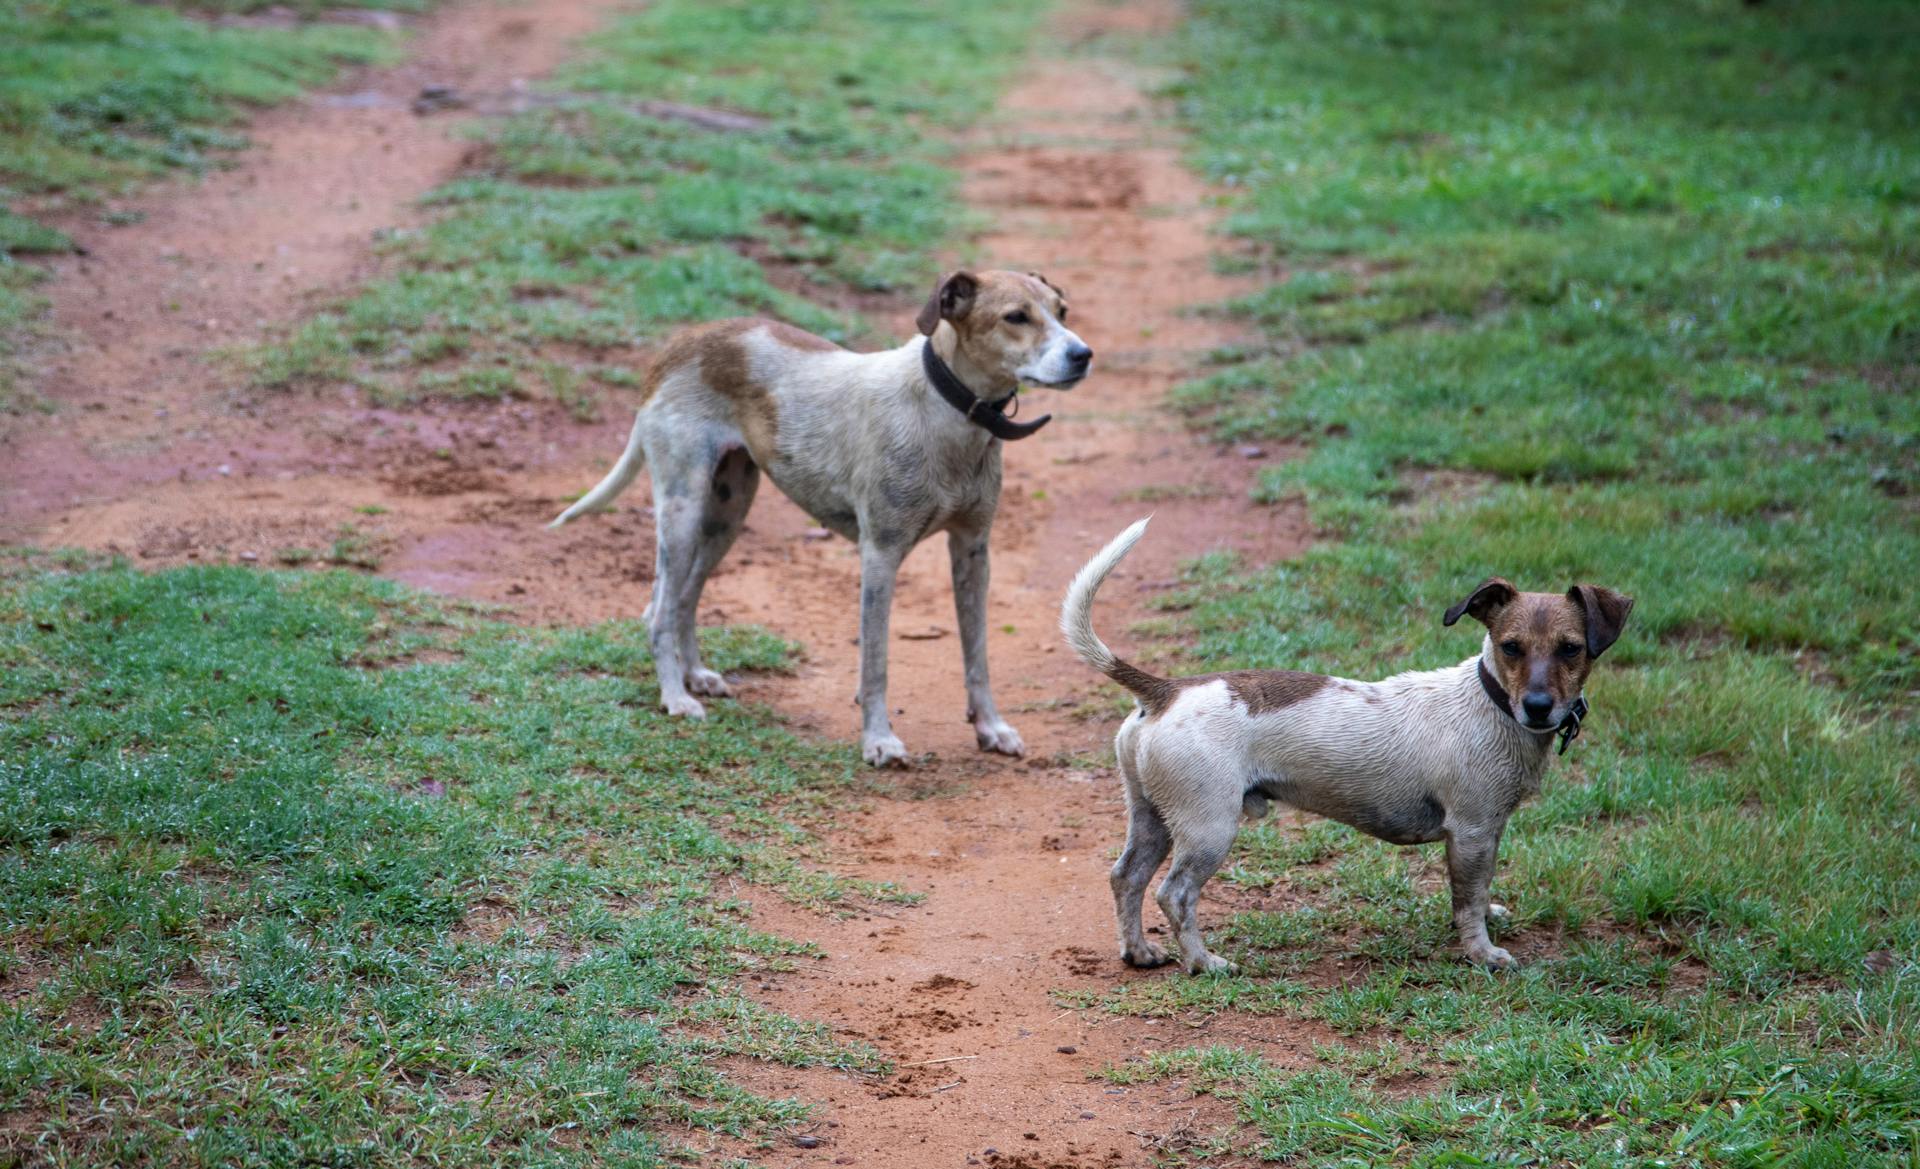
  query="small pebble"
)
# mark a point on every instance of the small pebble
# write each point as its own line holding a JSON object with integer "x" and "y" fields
{"x": 1068, "y": 1049}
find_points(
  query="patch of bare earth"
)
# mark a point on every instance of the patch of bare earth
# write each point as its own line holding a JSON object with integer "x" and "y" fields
{"x": 142, "y": 407}
{"x": 156, "y": 453}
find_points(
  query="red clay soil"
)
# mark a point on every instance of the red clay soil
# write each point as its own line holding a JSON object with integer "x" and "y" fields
{"x": 156, "y": 452}
{"x": 138, "y": 321}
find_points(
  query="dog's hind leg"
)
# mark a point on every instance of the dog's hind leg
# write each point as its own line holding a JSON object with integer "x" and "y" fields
{"x": 730, "y": 495}
{"x": 684, "y": 467}
{"x": 1147, "y": 845}
{"x": 1197, "y": 855}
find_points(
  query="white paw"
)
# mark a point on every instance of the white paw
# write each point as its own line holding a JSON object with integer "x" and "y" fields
{"x": 1497, "y": 911}
{"x": 684, "y": 706}
{"x": 883, "y": 750}
{"x": 1145, "y": 956}
{"x": 709, "y": 683}
{"x": 1209, "y": 964}
{"x": 996, "y": 735}
{"x": 1492, "y": 957}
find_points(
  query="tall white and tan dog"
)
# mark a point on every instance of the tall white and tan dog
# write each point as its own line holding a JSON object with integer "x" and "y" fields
{"x": 1418, "y": 757}
{"x": 884, "y": 448}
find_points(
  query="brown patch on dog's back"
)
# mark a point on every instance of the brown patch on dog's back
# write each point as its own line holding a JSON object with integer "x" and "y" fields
{"x": 1265, "y": 691}
{"x": 689, "y": 347}
{"x": 718, "y": 351}
{"x": 1260, "y": 691}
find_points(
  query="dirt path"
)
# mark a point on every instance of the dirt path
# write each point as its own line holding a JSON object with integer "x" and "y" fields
{"x": 140, "y": 396}
{"x": 156, "y": 454}
{"x": 1082, "y": 181}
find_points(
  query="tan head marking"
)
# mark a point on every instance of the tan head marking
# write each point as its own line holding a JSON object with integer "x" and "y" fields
{"x": 1544, "y": 643}
{"x": 1008, "y": 328}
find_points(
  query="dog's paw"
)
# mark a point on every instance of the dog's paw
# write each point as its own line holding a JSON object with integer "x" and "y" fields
{"x": 1145, "y": 956}
{"x": 709, "y": 683}
{"x": 1209, "y": 964}
{"x": 1497, "y": 912}
{"x": 884, "y": 751}
{"x": 996, "y": 735}
{"x": 1493, "y": 958}
{"x": 684, "y": 706}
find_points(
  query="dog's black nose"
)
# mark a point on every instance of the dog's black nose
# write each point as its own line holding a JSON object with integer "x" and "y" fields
{"x": 1537, "y": 707}
{"x": 1080, "y": 356}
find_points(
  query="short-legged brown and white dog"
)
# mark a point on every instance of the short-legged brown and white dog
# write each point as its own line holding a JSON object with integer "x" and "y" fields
{"x": 884, "y": 448}
{"x": 1418, "y": 757}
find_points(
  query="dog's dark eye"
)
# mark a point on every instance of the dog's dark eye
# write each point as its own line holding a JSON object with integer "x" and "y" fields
{"x": 1570, "y": 650}
{"x": 1511, "y": 649}
{"x": 1018, "y": 317}
{"x": 1063, "y": 314}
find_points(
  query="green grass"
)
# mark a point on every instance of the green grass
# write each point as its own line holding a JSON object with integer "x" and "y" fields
{"x": 590, "y": 226}
{"x": 1624, "y": 294}
{"x": 306, "y": 869}
{"x": 98, "y": 94}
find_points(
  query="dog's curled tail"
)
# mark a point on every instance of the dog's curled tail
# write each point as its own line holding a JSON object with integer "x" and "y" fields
{"x": 616, "y": 481}
{"x": 1076, "y": 618}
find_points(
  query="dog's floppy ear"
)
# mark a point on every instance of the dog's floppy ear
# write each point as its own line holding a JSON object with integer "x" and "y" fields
{"x": 951, "y": 299}
{"x": 1490, "y": 596}
{"x": 1606, "y": 613}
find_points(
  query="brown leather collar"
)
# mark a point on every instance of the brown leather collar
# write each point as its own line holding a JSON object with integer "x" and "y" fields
{"x": 988, "y": 416}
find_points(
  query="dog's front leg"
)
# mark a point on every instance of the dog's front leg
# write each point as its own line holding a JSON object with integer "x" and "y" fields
{"x": 878, "y": 568}
{"x": 1470, "y": 860}
{"x": 968, "y": 551}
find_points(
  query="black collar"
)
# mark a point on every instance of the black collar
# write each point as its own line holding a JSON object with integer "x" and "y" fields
{"x": 1569, "y": 728}
{"x": 988, "y": 416}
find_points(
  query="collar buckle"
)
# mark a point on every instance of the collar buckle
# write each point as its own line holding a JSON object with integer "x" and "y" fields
{"x": 1570, "y": 725}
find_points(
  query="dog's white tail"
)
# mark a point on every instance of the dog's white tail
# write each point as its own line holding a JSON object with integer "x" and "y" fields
{"x": 616, "y": 481}
{"x": 1076, "y": 618}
